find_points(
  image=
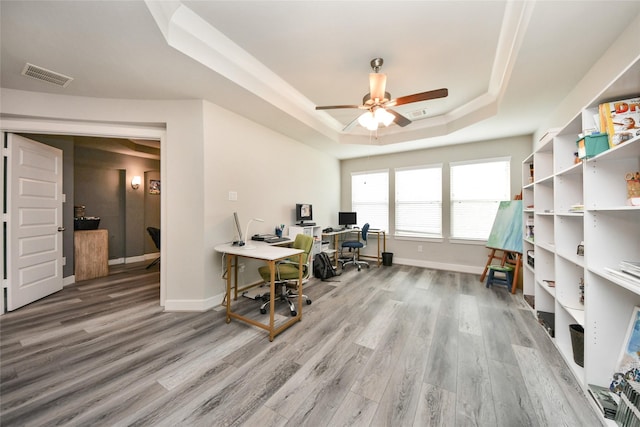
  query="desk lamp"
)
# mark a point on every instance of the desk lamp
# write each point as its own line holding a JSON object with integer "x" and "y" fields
{"x": 246, "y": 234}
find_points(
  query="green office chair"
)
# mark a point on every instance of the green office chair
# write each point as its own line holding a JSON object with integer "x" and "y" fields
{"x": 287, "y": 274}
{"x": 354, "y": 247}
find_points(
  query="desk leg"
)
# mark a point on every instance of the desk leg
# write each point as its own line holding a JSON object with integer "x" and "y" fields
{"x": 378, "y": 254}
{"x": 229, "y": 256}
{"x": 300, "y": 286}
{"x": 336, "y": 241}
{"x": 272, "y": 301}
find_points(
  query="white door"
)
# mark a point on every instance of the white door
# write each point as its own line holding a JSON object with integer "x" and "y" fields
{"x": 34, "y": 221}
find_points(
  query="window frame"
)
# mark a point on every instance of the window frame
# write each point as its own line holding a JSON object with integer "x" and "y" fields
{"x": 453, "y": 200}
{"x": 356, "y": 204}
{"x": 415, "y": 234}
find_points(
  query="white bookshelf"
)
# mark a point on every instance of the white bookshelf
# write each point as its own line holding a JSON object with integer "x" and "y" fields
{"x": 608, "y": 227}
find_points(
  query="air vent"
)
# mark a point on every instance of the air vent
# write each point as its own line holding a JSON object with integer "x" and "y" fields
{"x": 45, "y": 75}
{"x": 418, "y": 114}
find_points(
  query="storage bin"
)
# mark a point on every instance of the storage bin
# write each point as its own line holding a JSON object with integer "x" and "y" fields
{"x": 592, "y": 145}
{"x": 577, "y": 343}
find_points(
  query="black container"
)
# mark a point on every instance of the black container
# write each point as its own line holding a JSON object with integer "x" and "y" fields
{"x": 86, "y": 223}
{"x": 387, "y": 258}
{"x": 577, "y": 342}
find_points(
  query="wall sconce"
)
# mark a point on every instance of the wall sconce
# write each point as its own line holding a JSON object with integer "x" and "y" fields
{"x": 135, "y": 182}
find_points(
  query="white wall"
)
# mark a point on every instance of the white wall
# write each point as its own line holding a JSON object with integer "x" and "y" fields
{"x": 444, "y": 255}
{"x": 205, "y": 152}
{"x": 622, "y": 53}
{"x": 269, "y": 173}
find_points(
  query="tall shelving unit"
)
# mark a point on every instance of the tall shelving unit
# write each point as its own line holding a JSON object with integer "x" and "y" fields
{"x": 610, "y": 230}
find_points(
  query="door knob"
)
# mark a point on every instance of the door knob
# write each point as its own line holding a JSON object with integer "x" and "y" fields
{"x": 60, "y": 228}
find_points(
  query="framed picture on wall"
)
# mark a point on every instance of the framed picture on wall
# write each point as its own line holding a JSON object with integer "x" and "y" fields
{"x": 154, "y": 186}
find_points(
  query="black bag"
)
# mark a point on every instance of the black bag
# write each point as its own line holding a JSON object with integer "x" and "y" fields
{"x": 322, "y": 267}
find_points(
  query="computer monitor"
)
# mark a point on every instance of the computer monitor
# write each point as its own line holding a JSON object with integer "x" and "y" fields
{"x": 347, "y": 219}
{"x": 304, "y": 212}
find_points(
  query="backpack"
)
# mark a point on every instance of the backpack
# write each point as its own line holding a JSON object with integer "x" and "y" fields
{"x": 322, "y": 267}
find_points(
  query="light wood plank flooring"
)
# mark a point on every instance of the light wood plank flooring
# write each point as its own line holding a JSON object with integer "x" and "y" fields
{"x": 389, "y": 346}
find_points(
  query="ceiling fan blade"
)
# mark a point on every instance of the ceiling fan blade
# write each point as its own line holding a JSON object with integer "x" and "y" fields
{"x": 377, "y": 86}
{"x": 335, "y": 107}
{"x": 417, "y": 97}
{"x": 351, "y": 125}
{"x": 400, "y": 120}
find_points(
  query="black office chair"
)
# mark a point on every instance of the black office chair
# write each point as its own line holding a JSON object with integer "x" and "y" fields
{"x": 155, "y": 236}
{"x": 287, "y": 274}
{"x": 354, "y": 248}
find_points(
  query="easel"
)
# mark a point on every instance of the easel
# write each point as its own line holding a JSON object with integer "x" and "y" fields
{"x": 506, "y": 258}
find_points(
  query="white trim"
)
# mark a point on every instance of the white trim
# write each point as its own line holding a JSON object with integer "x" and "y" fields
{"x": 458, "y": 241}
{"x": 434, "y": 239}
{"x": 460, "y": 268}
{"x": 370, "y": 172}
{"x": 478, "y": 161}
{"x": 418, "y": 167}
{"x": 194, "y": 304}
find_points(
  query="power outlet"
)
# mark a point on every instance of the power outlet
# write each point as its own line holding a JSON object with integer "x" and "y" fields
{"x": 233, "y": 196}
{"x": 240, "y": 268}
{"x": 419, "y": 248}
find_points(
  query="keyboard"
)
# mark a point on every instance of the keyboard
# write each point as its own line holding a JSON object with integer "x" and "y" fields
{"x": 275, "y": 239}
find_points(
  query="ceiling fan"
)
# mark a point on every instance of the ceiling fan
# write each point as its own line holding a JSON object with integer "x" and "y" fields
{"x": 378, "y": 102}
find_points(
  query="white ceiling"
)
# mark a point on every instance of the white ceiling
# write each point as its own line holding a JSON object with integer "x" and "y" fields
{"x": 507, "y": 64}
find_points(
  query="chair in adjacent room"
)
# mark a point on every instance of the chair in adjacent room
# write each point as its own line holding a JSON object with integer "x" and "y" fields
{"x": 354, "y": 247}
{"x": 287, "y": 274}
{"x": 155, "y": 236}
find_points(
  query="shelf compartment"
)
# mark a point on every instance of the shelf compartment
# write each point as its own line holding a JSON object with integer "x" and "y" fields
{"x": 605, "y": 175}
{"x": 564, "y": 144}
{"x": 543, "y": 231}
{"x": 569, "y": 233}
{"x": 563, "y": 341}
{"x": 569, "y": 277}
{"x": 611, "y": 237}
{"x": 568, "y": 192}
{"x": 605, "y": 329}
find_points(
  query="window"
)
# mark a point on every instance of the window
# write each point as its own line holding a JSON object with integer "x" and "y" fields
{"x": 370, "y": 198}
{"x": 476, "y": 191}
{"x": 419, "y": 201}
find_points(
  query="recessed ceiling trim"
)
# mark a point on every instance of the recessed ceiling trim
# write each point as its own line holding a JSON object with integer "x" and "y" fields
{"x": 42, "y": 74}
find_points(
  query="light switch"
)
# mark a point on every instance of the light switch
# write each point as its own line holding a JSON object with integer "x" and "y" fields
{"x": 233, "y": 195}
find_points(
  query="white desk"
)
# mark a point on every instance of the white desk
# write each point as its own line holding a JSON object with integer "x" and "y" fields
{"x": 336, "y": 242}
{"x": 270, "y": 254}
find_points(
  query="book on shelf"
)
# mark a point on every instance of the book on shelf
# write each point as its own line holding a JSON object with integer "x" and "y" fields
{"x": 627, "y": 278}
{"x": 620, "y": 120}
{"x": 604, "y": 400}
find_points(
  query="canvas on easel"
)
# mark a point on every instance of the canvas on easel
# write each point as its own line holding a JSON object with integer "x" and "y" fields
{"x": 506, "y": 236}
{"x": 506, "y": 233}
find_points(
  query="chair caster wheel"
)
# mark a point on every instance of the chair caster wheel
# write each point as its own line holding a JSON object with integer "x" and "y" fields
{"x": 263, "y": 311}
{"x": 294, "y": 313}
{"x": 308, "y": 302}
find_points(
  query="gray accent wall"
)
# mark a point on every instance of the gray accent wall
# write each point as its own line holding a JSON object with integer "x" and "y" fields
{"x": 100, "y": 181}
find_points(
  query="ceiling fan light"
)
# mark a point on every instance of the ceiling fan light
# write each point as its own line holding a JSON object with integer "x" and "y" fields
{"x": 384, "y": 117}
{"x": 367, "y": 120}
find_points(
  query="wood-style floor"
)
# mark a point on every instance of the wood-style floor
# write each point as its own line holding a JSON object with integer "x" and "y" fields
{"x": 389, "y": 346}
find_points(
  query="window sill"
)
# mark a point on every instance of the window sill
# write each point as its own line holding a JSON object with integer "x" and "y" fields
{"x": 418, "y": 238}
{"x": 467, "y": 242}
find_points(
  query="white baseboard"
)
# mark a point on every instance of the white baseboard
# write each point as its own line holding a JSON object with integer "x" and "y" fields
{"x": 461, "y": 268}
{"x": 134, "y": 259}
{"x": 194, "y": 305}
